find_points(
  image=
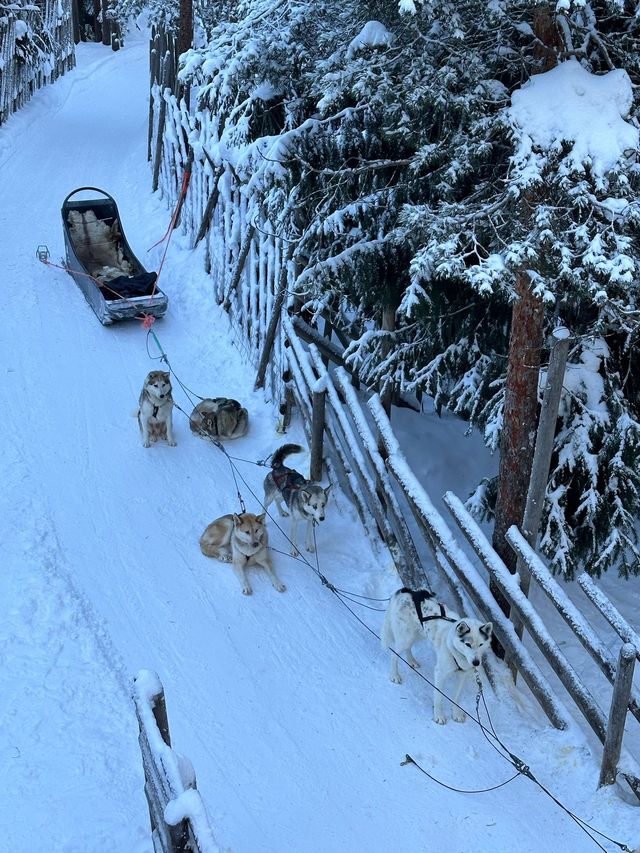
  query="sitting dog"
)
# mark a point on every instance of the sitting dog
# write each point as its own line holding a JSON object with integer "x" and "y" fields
{"x": 459, "y": 642}
{"x": 155, "y": 409}
{"x": 305, "y": 500}
{"x": 243, "y": 541}
{"x": 219, "y": 417}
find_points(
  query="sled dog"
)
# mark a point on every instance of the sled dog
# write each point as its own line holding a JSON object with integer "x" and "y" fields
{"x": 459, "y": 642}
{"x": 243, "y": 541}
{"x": 219, "y": 417}
{"x": 155, "y": 409}
{"x": 98, "y": 245}
{"x": 305, "y": 500}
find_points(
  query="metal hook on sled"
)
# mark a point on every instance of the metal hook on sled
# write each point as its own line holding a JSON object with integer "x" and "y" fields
{"x": 42, "y": 253}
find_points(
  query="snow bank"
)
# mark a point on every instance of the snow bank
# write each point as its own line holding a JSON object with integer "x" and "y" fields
{"x": 570, "y": 103}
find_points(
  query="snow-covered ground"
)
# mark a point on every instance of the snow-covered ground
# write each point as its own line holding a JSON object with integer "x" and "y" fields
{"x": 281, "y": 702}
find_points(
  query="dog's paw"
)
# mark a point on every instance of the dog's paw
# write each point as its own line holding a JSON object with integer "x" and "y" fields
{"x": 284, "y": 513}
{"x": 458, "y": 716}
{"x": 441, "y": 721}
{"x": 295, "y": 552}
{"x": 172, "y": 443}
{"x": 146, "y": 444}
{"x": 311, "y": 549}
{"x": 415, "y": 664}
{"x": 396, "y": 679}
{"x": 226, "y": 558}
{"x": 280, "y": 587}
{"x": 246, "y": 590}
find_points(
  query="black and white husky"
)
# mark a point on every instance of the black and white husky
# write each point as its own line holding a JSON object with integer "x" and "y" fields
{"x": 459, "y": 642}
{"x": 304, "y": 499}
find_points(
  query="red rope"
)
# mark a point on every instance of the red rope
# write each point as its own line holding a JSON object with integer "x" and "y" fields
{"x": 183, "y": 191}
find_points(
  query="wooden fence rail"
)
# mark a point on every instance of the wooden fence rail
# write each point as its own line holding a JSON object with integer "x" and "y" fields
{"x": 179, "y": 823}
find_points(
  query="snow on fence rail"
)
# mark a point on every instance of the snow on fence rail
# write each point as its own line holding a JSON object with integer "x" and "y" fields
{"x": 36, "y": 47}
{"x": 179, "y": 822}
{"x": 254, "y": 271}
{"x": 625, "y": 699}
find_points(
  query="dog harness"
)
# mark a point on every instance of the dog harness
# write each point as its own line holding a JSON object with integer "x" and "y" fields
{"x": 420, "y": 595}
{"x": 287, "y": 481}
{"x": 441, "y": 615}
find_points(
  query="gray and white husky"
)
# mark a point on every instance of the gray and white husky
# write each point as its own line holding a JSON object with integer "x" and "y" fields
{"x": 459, "y": 642}
{"x": 305, "y": 500}
{"x": 155, "y": 409}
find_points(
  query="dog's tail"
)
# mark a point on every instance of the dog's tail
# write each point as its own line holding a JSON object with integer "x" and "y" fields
{"x": 281, "y": 453}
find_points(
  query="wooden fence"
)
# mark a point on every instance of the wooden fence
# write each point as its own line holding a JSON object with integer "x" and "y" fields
{"x": 36, "y": 47}
{"x": 253, "y": 271}
{"x": 179, "y": 823}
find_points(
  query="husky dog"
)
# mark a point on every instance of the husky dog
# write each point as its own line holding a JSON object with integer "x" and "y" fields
{"x": 305, "y": 500}
{"x": 242, "y": 540}
{"x": 98, "y": 245}
{"x": 459, "y": 642}
{"x": 155, "y": 409}
{"x": 219, "y": 417}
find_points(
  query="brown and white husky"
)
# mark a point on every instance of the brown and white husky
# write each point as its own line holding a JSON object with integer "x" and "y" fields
{"x": 242, "y": 540}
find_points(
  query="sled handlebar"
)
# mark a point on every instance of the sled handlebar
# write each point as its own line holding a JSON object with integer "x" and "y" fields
{"x": 95, "y": 189}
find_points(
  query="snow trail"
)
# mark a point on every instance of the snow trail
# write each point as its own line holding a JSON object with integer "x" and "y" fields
{"x": 281, "y": 702}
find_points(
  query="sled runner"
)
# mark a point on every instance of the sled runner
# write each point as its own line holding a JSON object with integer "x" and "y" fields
{"x": 100, "y": 261}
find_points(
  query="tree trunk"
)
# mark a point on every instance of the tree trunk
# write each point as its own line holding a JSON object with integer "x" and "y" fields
{"x": 517, "y": 441}
{"x": 518, "y": 437}
{"x": 388, "y": 325}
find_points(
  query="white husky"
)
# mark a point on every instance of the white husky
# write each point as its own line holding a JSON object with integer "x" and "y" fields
{"x": 459, "y": 642}
{"x": 155, "y": 409}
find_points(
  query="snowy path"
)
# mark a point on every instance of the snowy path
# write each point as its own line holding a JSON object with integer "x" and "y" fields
{"x": 281, "y": 701}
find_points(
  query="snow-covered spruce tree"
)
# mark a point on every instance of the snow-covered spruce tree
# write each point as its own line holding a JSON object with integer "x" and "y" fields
{"x": 556, "y": 221}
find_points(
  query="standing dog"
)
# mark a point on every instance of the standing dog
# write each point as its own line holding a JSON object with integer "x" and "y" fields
{"x": 305, "y": 500}
{"x": 242, "y": 540}
{"x": 459, "y": 642}
{"x": 155, "y": 409}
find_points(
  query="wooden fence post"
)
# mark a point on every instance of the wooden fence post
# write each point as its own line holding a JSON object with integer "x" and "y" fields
{"x": 542, "y": 458}
{"x": 160, "y": 715}
{"x": 161, "y": 120}
{"x": 270, "y": 335}
{"x": 617, "y": 715}
{"x": 317, "y": 433}
{"x": 242, "y": 257}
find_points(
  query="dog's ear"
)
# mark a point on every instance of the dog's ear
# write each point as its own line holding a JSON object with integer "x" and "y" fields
{"x": 236, "y": 518}
{"x": 260, "y": 518}
{"x": 462, "y": 629}
{"x": 305, "y": 495}
{"x": 486, "y": 630}
{"x": 327, "y": 490}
